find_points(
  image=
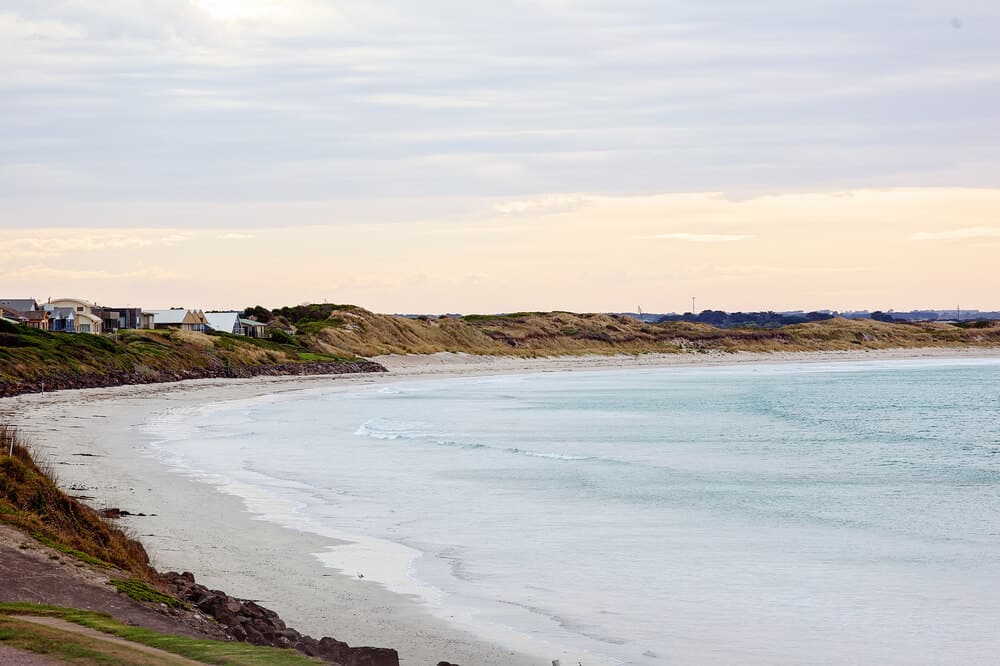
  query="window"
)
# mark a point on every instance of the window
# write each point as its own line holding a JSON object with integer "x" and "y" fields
{"x": 85, "y": 328}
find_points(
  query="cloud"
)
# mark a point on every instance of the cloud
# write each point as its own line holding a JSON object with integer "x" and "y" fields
{"x": 698, "y": 238}
{"x": 236, "y": 236}
{"x": 41, "y": 272}
{"x": 58, "y": 243}
{"x": 956, "y": 234}
{"x": 208, "y": 99}
{"x": 545, "y": 205}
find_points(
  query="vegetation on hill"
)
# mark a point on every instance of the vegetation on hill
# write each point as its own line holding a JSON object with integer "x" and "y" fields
{"x": 351, "y": 330}
{"x": 31, "y": 501}
{"x": 742, "y": 319}
{"x": 32, "y": 360}
{"x": 306, "y": 339}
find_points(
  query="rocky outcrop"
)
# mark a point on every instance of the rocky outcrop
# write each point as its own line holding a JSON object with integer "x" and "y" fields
{"x": 69, "y": 380}
{"x": 252, "y": 623}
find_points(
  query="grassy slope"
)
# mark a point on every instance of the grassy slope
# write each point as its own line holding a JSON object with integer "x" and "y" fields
{"x": 85, "y": 650}
{"x": 31, "y": 502}
{"x": 352, "y": 330}
{"x": 32, "y": 356}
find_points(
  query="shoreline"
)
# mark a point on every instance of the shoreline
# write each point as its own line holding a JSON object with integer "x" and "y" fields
{"x": 462, "y": 364}
{"x": 200, "y": 528}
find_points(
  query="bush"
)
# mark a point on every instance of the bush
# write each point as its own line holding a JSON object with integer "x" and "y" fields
{"x": 282, "y": 337}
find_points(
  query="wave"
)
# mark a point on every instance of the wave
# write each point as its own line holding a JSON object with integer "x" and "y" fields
{"x": 391, "y": 429}
{"x": 550, "y": 456}
{"x": 385, "y": 429}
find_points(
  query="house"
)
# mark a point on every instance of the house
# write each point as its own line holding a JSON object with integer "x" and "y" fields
{"x": 182, "y": 318}
{"x": 72, "y": 315}
{"x": 116, "y": 319}
{"x": 225, "y": 322}
{"x": 61, "y": 320}
{"x": 253, "y": 328}
{"x": 22, "y": 305}
{"x": 12, "y": 316}
{"x": 37, "y": 319}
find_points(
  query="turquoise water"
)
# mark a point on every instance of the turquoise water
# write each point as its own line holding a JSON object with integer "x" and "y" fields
{"x": 801, "y": 513}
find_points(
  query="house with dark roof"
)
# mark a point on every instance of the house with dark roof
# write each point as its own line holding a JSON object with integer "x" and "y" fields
{"x": 37, "y": 319}
{"x": 22, "y": 305}
{"x": 12, "y": 316}
{"x": 116, "y": 319}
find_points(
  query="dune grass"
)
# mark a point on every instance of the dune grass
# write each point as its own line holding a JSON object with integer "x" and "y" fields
{"x": 360, "y": 332}
{"x": 31, "y": 501}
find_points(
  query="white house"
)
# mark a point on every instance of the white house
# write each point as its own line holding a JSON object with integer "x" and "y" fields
{"x": 72, "y": 315}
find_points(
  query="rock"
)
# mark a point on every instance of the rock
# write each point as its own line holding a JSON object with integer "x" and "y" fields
{"x": 250, "y": 622}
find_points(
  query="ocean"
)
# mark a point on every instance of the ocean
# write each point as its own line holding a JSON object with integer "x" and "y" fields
{"x": 806, "y": 513}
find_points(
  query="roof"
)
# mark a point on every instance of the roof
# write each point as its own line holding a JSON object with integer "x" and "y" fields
{"x": 175, "y": 316}
{"x": 11, "y": 313}
{"x": 19, "y": 304}
{"x": 78, "y": 302}
{"x": 251, "y": 322}
{"x": 223, "y": 321}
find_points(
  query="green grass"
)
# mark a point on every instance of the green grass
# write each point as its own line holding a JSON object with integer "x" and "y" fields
{"x": 320, "y": 358}
{"x": 314, "y": 327}
{"x": 66, "y": 550}
{"x": 143, "y": 591}
{"x": 60, "y": 645}
{"x": 209, "y": 652}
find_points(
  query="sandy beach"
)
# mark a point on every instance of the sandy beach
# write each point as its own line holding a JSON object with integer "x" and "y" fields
{"x": 94, "y": 442}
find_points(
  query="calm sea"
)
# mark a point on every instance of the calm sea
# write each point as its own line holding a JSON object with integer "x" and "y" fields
{"x": 767, "y": 514}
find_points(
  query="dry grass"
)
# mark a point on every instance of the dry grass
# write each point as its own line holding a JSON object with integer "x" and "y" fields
{"x": 562, "y": 333}
{"x": 31, "y": 501}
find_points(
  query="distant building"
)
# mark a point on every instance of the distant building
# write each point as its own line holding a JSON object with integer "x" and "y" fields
{"x": 12, "y": 316}
{"x": 22, "y": 305}
{"x": 225, "y": 322}
{"x": 73, "y": 315}
{"x": 253, "y": 328}
{"x": 116, "y": 319}
{"x": 181, "y": 318}
{"x": 37, "y": 319}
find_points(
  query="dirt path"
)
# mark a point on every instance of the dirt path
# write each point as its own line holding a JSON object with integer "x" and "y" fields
{"x": 162, "y": 657}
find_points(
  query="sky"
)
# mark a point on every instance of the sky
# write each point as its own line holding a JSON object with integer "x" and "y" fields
{"x": 465, "y": 156}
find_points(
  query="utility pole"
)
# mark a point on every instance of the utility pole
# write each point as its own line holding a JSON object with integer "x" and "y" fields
{"x": 692, "y": 306}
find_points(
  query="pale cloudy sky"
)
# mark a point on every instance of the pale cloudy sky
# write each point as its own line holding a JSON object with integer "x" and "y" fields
{"x": 506, "y": 155}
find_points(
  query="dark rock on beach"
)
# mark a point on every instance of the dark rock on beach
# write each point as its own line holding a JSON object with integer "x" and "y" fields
{"x": 250, "y": 622}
